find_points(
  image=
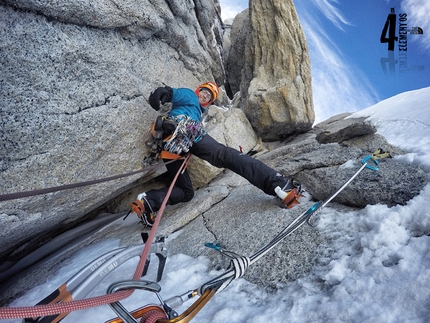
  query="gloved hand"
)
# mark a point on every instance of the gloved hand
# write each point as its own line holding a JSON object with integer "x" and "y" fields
{"x": 161, "y": 94}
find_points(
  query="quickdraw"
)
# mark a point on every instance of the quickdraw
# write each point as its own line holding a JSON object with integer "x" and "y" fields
{"x": 378, "y": 154}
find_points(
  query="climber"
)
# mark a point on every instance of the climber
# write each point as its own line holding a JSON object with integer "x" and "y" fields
{"x": 186, "y": 135}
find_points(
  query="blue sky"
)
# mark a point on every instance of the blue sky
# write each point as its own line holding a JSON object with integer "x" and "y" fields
{"x": 350, "y": 67}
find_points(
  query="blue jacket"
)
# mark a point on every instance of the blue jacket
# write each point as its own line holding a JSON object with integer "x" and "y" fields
{"x": 186, "y": 102}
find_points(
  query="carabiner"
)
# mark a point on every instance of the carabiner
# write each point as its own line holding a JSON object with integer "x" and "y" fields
{"x": 366, "y": 160}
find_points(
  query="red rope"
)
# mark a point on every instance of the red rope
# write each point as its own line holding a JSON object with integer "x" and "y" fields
{"x": 67, "y": 307}
{"x": 151, "y": 237}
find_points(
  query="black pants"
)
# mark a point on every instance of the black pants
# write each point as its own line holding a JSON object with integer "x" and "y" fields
{"x": 218, "y": 155}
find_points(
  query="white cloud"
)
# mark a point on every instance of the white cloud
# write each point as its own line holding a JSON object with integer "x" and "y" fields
{"x": 336, "y": 85}
{"x": 418, "y": 11}
{"x": 331, "y": 12}
{"x": 229, "y": 9}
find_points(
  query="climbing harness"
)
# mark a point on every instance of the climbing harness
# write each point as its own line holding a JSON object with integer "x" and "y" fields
{"x": 187, "y": 132}
{"x": 172, "y": 137}
{"x": 165, "y": 312}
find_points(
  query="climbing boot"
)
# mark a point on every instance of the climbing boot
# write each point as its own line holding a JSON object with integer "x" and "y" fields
{"x": 143, "y": 210}
{"x": 290, "y": 192}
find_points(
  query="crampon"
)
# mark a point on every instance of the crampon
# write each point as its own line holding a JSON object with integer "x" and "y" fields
{"x": 147, "y": 217}
{"x": 292, "y": 198}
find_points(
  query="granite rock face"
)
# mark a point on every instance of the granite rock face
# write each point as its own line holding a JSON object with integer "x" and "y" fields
{"x": 339, "y": 129}
{"x": 235, "y": 58}
{"x": 270, "y": 53}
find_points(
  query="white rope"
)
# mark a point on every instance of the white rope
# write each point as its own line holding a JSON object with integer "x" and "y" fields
{"x": 240, "y": 263}
{"x": 240, "y": 266}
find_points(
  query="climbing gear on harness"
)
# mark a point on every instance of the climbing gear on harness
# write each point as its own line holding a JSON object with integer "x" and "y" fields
{"x": 212, "y": 88}
{"x": 173, "y": 137}
{"x": 163, "y": 127}
{"x": 143, "y": 210}
{"x": 187, "y": 132}
{"x": 161, "y": 130}
{"x": 290, "y": 192}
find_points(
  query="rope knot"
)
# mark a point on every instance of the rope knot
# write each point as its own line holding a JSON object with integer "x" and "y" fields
{"x": 240, "y": 264}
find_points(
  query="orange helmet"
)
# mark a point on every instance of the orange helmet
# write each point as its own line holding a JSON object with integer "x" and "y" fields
{"x": 213, "y": 89}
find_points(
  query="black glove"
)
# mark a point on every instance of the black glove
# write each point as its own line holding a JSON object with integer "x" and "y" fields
{"x": 162, "y": 94}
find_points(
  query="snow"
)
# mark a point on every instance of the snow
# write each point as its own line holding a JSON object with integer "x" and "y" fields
{"x": 349, "y": 164}
{"x": 377, "y": 270}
